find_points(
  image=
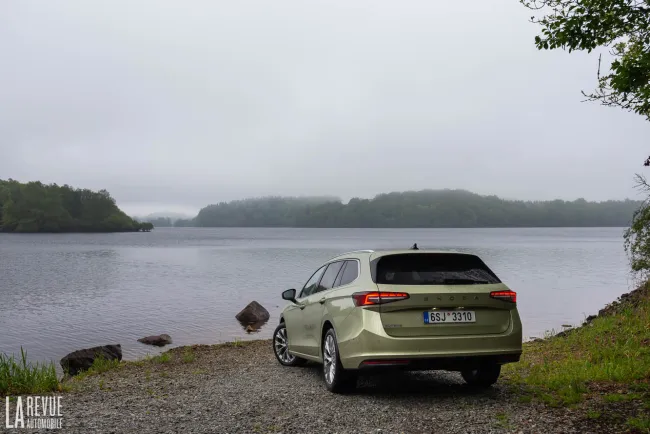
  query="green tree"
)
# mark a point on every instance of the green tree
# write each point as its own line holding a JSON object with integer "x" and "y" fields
{"x": 35, "y": 207}
{"x": 637, "y": 236}
{"x": 416, "y": 209}
{"x": 621, "y": 25}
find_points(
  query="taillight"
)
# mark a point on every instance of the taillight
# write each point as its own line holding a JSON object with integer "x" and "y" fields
{"x": 370, "y": 298}
{"x": 510, "y": 296}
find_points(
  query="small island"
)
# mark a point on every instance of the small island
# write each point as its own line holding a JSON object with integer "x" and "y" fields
{"x": 36, "y": 207}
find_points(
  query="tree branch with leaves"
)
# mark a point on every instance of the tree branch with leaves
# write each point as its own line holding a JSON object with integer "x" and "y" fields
{"x": 621, "y": 25}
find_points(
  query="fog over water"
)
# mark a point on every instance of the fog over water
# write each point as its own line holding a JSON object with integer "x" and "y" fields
{"x": 172, "y": 106}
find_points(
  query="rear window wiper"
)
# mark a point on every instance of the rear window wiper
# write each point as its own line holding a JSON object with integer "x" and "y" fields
{"x": 468, "y": 281}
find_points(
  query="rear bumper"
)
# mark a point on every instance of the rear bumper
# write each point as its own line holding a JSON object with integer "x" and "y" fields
{"x": 366, "y": 340}
{"x": 438, "y": 363}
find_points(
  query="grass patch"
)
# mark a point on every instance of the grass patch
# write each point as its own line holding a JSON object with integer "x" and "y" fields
{"x": 188, "y": 355}
{"x": 593, "y": 414}
{"x": 641, "y": 423}
{"x": 612, "y": 350}
{"x": 163, "y": 358}
{"x": 641, "y": 387}
{"x": 99, "y": 366}
{"x": 525, "y": 399}
{"x": 503, "y": 421}
{"x": 548, "y": 399}
{"x": 620, "y": 397}
{"x": 19, "y": 377}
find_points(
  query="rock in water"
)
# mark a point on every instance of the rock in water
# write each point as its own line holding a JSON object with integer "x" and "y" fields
{"x": 158, "y": 340}
{"x": 82, "y": 360}
{"x": 250, "y": 329}
{"x": 253, "y": 313}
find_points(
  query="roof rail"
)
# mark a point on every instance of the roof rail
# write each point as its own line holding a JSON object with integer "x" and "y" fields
{"x": 354, "y": 251}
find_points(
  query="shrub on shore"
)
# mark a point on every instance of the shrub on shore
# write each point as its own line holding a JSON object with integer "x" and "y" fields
{"x": 610, "y": 353}
{"x": 20, "y": 377}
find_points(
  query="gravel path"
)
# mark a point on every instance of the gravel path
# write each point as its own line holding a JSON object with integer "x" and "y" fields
{"x": 242, "y": 389}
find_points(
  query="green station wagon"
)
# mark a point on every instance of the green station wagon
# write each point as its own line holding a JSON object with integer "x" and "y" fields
{"x": 406, "y": 309}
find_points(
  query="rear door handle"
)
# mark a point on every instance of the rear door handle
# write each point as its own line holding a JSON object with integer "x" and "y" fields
{"x": 322, "y": 301}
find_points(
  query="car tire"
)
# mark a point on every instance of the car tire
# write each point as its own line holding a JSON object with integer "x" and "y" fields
{"x": 484, "y": 376}
{"x": 281, "y": 348}
{"x": 337, "y": 379}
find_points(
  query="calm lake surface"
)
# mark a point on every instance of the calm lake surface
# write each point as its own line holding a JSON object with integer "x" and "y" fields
{"x": 60, "y": 293}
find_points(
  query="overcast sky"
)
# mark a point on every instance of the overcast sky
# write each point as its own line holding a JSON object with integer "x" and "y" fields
{"x": 171, "y": 105}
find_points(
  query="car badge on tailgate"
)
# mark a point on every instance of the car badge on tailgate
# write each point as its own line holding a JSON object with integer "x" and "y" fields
{"x": 451, "y": 298}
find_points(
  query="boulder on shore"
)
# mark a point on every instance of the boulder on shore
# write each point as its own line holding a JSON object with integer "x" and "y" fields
{"x": 82, "y": 360}
{"x": 253, "y": 313}
{"x": 157, "y": 340}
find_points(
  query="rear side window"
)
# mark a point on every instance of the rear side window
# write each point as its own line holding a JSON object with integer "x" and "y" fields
{"x": 349, "y": 274}
{"x": 433, "y": 269}
{"x": 329, "y": 277}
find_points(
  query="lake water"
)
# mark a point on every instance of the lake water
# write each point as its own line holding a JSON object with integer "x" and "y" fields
{"x": 60, "y": 293}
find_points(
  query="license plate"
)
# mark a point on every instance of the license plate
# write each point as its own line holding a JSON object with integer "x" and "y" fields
{"x": 449, "y": 316}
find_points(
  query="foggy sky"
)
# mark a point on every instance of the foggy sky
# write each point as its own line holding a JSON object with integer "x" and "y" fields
{"x": 172, "y": 105}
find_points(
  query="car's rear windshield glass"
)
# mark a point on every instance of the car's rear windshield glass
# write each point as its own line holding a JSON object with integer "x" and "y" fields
{"x": 433, "y": 269}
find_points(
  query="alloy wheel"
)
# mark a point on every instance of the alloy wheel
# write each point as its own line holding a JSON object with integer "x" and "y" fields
{"x": 281, "y": 346}
{"x": 329, "y": 359}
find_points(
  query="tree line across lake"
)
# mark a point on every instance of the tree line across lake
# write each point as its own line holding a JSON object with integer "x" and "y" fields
{"x": 36, "y": 207}
{"x": 414, "y": 209}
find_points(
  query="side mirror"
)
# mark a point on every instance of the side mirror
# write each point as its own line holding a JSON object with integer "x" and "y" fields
{"x": 289, "y": 295}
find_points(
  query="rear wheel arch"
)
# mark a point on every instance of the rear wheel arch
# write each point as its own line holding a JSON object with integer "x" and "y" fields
{"x": 327, "y": 324}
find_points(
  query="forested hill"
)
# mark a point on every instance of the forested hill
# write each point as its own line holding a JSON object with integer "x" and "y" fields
{"x": 36, "y": 207}
{"x": 415, "y": 209}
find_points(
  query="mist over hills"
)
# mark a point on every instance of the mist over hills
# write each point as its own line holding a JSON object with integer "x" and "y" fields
{"x": 165, "y": 214}
{"x": 413, "y": 209}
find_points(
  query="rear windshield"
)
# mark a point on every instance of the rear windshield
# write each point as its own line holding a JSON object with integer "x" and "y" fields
{"x": 433, "y": 269}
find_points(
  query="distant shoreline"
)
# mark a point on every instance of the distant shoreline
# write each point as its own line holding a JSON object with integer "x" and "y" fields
{"x": 323, "y": 227}
{"x": 413, "y": 209}
{"x": 388, "y": 227}
{"x": 78, "y": 232}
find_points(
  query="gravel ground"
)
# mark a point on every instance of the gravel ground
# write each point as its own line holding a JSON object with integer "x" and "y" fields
{"x": 242, "y": 389}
